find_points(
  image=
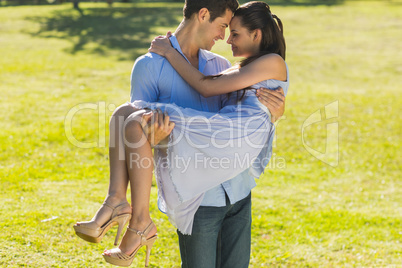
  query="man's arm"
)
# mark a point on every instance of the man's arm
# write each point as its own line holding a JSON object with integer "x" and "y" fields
{"x": 144, "y": 87}
{"x": 156, "y": 126}
{"x": 274, "y": 100}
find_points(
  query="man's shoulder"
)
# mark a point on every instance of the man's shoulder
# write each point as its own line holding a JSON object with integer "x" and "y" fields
{"x": 149, "y": 59}
{"x": 148, "y": 65}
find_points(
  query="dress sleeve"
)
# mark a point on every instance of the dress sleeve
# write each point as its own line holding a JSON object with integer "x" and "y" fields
{"x": 143, "y": 80}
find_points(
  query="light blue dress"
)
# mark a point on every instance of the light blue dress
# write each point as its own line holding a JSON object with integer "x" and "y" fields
{"x": 205, "y": 149}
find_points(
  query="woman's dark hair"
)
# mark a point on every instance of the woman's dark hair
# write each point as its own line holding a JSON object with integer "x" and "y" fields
{"x": 215, "y": 7}
{"x": 257, "y": 15}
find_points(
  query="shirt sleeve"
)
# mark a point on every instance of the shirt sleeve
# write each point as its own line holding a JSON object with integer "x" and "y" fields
{"x": 143, "y": 80}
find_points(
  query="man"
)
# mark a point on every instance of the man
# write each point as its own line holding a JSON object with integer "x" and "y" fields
{"x": 221, "y": 235}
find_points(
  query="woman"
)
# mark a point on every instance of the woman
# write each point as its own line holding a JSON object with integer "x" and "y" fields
{"x": 257, "y": 35}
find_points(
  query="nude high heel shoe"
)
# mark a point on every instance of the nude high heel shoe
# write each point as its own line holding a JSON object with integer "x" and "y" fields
{"x": 86, "y": 230}
{"x": 119, "y": 258}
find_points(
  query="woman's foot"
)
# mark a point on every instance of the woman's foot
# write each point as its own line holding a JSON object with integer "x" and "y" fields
{"x": 112, "y": 212}
{"x": 105, "y": 212}
{"x": 146, "y": 237}
{"x": 131, "y": 241}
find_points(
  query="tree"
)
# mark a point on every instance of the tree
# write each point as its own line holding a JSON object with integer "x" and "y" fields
{"x": 76, "y": 3}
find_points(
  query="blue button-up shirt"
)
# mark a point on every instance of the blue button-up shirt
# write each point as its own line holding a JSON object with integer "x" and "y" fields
{"x": 153, "y": 79}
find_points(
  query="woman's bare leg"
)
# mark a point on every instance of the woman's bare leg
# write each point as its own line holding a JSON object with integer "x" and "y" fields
{"x": 139, "y": 163}
{"x": 118, "y": 181}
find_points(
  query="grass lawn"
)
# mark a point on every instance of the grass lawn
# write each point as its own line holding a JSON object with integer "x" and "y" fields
{"x": 343, "y": 211}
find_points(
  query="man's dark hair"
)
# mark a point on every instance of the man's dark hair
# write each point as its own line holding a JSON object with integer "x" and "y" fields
{"x": 216, "y": 7}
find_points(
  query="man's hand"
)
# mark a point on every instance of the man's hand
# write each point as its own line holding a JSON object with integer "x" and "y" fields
{"x": 156, "y": 126}
{"x": 274, "y": 100}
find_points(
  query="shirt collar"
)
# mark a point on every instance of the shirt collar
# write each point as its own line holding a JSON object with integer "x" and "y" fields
{"x": 207, "y": 55}
{"x": 203, "y": 55}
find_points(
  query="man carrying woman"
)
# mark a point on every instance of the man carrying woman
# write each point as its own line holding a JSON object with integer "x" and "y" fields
{"x": 214, "y": 226}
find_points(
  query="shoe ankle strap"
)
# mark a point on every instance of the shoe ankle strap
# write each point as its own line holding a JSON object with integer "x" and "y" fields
{"x": 108, "y": 205}
{"x": 144, "y": 233}
{"x": 116, "y": 208}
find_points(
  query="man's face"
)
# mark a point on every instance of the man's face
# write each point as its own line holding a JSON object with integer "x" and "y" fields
{"x": 210, "y": 32}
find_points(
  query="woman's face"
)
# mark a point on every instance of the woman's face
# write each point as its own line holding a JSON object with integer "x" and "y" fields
{"x": 243, "y": 42}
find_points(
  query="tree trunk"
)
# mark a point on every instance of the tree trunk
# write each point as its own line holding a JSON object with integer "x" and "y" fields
{"x": 75, "y": 4}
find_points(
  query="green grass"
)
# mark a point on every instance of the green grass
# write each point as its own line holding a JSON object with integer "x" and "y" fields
{"x": 305, "y": 213}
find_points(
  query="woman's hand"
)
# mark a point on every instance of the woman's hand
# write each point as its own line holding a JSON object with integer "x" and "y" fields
{"x": 161, "y": 45}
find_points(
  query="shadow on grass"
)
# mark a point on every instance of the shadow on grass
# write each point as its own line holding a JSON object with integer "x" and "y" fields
{"x": 127, "y": 30}
{"x": 301, "y": 2}
{"x": 99, "y": 30}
